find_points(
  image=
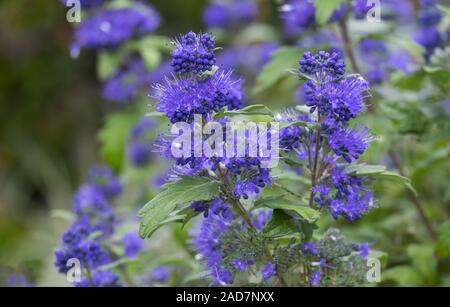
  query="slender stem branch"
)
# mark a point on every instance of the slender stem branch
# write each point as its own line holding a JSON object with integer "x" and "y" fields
{"x": 414, "y": 198}
{"x": 348, "y": 44}
{"x": 315, "y": 162}
{"x": 246, "y": 216}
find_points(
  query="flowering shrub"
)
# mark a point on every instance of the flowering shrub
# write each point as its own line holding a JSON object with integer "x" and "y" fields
{"x": 252, "y": 153}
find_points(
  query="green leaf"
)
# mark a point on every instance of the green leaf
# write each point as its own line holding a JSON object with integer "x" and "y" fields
{"x": 107, "y": 64}
{"x": 364, "y": 169}
{"x": 113, "y": 137}
{"x": 325, "y": 8}
{"x": 256, "y": 109}
{"x": 296, "y": 124}
{"x": 403, "y": 276}
{"x": 443, "y": 243}
{"x": 423, "y": 260}
{"x": 281, "y": 225}
{"x": 278, "y": 68}
{"x": 308, "y": 213}
{"x": 397, "y": 178}
{"x": 182, "y": 192}
{"x": 379, "y": 171}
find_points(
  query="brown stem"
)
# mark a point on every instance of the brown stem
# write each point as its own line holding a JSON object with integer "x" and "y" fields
{"x": 414, "y": 198}
{"x": 348, "y": 45}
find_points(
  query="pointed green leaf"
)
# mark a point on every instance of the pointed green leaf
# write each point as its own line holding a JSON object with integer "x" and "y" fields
{"x": 182, "y": 192}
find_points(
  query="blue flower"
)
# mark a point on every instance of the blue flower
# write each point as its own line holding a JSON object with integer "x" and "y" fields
{"x": 16, "y": 281}
{"x": 103, "y": 178}
{"x": 226, "y": 14}
{"x": 350, "y": 143}
{"x": 208, "y": 242}
{"x": 316, "y": 279}
{"x": 268, "y": 271}
{"x": 181, "y": 98}
{"x": 133, "y": 244}
{"x": 194, "y": 53}
{"x": 140, "y": 142}
{"x": 127, "y": 83}
{"x": 337, "y": 101}
{"x": 161, "y": 274}
{"x": 298, "y": 15}
{"x": 91, "y": 202}
{"x": 101, "y": 279}
{"x": 364, "y": 250}
{"x": 323, "y": 64}
{"x": 112, "y": 27}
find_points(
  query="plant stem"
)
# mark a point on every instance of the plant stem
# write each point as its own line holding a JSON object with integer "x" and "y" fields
{"x": 315, "y": 162}
{"x": 414, "y": 198}
{"x": 348, "y": 45}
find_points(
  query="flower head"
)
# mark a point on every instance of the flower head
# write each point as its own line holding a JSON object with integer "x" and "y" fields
{"x": 194, "y": 53}
{"x": 323, "y": 65}
{"x": 181, "y": 98}
{"x": 268, "y": 271}
{"x": 112, "y": 27}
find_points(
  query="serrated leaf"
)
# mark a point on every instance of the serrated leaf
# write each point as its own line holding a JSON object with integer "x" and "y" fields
{"x": 256, "y": 109}
{"x": 182, "y": 192}
{"x": 281, "y": 225}
{"x": 278, "y": 68}
{"x": 325, "y": 8}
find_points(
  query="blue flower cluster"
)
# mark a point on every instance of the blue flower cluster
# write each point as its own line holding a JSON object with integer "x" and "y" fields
{"x": 110, "y": 28}
{"x": 429, "y": 18}
{"x": 219, "y": 14}
{"x": 87, "y": 238}
{"x": 380, "y": 60}
{"x": 194, "y": 53}
{"x": 107, "y": 29}
{"x": 126, "y": 84}
{"x": 299, "y": 15}
{"x": 328, "y": 254}
{"x": 212, "y": 242}
{"x": 337, "y": 100}
{"x": 182, "y": 97}
{"x": 140, "y": 142}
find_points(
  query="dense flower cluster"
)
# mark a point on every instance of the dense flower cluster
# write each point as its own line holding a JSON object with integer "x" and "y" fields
{"x": 323, "y": 65}
{"x": 221, "y": 231}
{"x": 333, "y": 253}
{"x": 181, "y": 98}
{"x": 219, "y": 14}
{"x": 194, "y": 53}
{"x": 336, "y": 100}
{"x": 87, "y": 238}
